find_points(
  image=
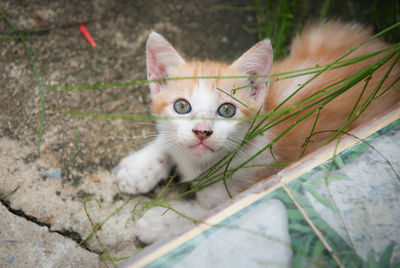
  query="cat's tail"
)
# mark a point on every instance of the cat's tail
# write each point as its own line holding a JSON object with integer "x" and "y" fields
{"x": 332, "y": 36}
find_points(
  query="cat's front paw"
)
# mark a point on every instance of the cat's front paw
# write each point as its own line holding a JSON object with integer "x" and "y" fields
{"x": 151, "y": 226}
{"x": 157, "y": 224}
{"x": 140, "y": 171}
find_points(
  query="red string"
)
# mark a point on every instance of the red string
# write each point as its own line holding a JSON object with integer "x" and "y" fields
{"x": 87, "y": 35}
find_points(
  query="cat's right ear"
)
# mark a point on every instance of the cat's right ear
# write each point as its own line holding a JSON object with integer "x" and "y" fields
{"x": 257, "y": 61}
{"x": 160, "y": 58}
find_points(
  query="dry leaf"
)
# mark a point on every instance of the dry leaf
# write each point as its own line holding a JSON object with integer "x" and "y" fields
{"x": 94, "y": 178}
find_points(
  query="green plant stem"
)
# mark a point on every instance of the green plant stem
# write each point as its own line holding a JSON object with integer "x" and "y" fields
{"x": 98, "y": 226}
{"x": 78, "y": 149}
{"x": 311, "y": 133}
{"x": 105, "y": 251}
{"x": 373, "y": 94}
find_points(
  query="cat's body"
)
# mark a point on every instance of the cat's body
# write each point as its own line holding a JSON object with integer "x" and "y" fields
{"x": 193, "y": 142}
{"x": 323, "y": 45}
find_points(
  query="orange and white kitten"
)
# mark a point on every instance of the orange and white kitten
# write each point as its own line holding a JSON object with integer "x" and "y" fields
{"x": 193, "y": 140}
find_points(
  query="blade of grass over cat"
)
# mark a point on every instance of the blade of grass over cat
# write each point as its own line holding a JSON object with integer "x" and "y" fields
{"x": 261, "y": 127}
{"x": 233, "y": 97}
{"x": 388, "y": 88}
{"x": 233, "y": 154}
{"x": 336, "y": 61}
{"x": 296, "y": 73}
{"x": 164, "y": 190}
{"x": 135, "y": 83}
{"x": 324, "y": 101}
{"x": 372, "y": 95}
{"x": 317, "y": 69}
{"x": 359, "y": 97}
{"x": 268, "y": 146}
{"x": 311, "y": 133}
{"x": 351, "y": 81}
{"x": 22, "y": 38}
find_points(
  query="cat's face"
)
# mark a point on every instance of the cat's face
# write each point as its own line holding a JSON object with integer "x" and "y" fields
{"x": 203, "y": 119}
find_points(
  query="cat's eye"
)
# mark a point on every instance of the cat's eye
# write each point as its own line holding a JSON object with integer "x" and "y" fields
{"x": 182, "y": 106}
{"x": 227, "y": 110}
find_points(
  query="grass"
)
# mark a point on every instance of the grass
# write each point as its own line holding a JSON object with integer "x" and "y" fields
{"x": 278, "y": 20}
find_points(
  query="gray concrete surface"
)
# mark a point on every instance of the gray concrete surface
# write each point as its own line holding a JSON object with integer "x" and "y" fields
{"x": 26, "y": 244}
{"x": 40, "y": 191}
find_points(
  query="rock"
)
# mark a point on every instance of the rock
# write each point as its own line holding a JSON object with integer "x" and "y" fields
{"x": 26, "y": 244}
{"x": 59, "y": 203}
{"x": 367, "y": 199}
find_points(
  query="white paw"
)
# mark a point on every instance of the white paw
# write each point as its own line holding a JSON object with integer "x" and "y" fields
{"x": 140, "y": 171}
{"x": 151, "y": 226}
{"x": 157, "y": 224}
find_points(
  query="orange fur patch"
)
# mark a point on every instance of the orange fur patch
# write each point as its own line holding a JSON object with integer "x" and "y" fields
{"x": 322, "y": 45}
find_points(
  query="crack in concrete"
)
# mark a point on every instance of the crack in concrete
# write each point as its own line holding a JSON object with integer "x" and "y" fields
{"x": 75, "y": 236}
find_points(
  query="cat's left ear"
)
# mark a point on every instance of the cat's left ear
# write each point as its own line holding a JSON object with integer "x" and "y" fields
{"x": 160, "y": 58}
{"x": 256, "y": 61}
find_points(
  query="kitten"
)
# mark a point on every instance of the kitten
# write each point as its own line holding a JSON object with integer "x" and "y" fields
{"x": 194, "y": 139}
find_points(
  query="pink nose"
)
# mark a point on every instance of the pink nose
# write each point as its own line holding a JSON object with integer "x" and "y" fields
{"x": 202, "y": 131}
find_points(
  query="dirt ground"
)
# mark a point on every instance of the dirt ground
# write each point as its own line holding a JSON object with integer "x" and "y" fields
{"x": 43, "y": 186}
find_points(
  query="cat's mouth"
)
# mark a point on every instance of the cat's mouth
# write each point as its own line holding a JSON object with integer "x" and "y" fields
{"x": 201, "y": 147}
